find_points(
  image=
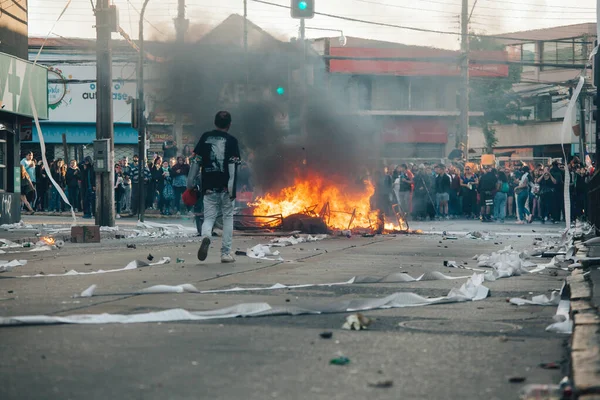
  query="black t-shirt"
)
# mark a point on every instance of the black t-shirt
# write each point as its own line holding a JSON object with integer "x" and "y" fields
{"x": 488, "y": 182}
{"x": 217, "y": 149}
{"x": 442, "y": 183}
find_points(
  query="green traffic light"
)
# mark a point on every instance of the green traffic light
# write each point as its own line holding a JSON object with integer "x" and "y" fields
{"x": 302, "y": 5}
{"x": 280, "y": 91}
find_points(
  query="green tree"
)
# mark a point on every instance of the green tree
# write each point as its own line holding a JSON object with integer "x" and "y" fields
{"x": 494, "y": 96}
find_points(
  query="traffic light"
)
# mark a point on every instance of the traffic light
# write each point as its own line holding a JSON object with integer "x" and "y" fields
{"x": 303, "y": 9}
{"x": 280, "y": 90}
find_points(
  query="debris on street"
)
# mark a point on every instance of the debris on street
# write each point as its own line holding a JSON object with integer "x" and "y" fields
{"x": 356, "y": 322}
{"x": 326, "y": 335}
{"x": 6, "y": 266}
{"x": 339, "y": 361}
{"x": 383, "y": 384}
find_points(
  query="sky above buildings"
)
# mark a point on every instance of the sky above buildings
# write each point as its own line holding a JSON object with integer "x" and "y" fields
{"x": 489, "y": 17}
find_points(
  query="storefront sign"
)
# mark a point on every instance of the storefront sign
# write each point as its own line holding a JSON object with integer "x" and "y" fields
{"x": 16, "y": 78}
{"x": 72, "y": 93}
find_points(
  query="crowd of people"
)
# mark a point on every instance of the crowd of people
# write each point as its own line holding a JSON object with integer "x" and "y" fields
{"x": 165, "y": 181}
{"x": 520, "y": 191}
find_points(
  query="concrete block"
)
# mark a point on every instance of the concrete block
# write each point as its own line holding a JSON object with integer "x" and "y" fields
{"x": 586, "y": 370}
{"x": 85, "y": 234}
{"x": 580, "y": 290}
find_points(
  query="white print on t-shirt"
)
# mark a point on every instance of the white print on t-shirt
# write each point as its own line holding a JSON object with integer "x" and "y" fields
{"x": 217, "y": 153}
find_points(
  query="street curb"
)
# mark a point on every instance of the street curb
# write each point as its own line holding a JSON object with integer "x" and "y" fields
{"x": 585, "y": 340}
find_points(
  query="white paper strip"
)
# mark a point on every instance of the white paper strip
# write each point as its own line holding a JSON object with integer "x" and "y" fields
{"x": 541, "y": 300}
{"x": 132, "y": 265}
{"x": 6, "y": 266}
{"x": 472, "y": 290}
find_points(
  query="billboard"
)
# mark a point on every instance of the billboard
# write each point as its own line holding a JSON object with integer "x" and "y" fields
{"x": 447, "y": 63}
{"x": 72, "y": 92}
{"x": 17, "y": 77}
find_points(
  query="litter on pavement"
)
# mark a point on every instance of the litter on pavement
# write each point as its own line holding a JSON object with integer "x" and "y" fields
{"x": 6, "y": 266}
{"x": 472, "y": 290}
{"x": 356, "y": 322}
{"x": 132, "y": 265}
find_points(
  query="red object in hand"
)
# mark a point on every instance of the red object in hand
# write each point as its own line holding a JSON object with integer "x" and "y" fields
{"x": 189, "y": 197}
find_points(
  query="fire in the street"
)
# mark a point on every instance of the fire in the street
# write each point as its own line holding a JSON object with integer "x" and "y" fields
{"x": 340, "y": 206}
{"x": 48, "y": 240}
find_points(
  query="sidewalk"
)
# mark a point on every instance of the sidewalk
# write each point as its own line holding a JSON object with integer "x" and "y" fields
{"x": 585, "y": 341}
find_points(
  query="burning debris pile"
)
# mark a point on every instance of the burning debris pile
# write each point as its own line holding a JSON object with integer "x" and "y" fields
{"x": 309, "y": 173}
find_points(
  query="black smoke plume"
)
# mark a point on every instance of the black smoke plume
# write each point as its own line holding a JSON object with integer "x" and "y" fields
{"x": 201, "y": 79}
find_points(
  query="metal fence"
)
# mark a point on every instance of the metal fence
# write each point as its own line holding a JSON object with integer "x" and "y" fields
{"x": 593, "y": 208}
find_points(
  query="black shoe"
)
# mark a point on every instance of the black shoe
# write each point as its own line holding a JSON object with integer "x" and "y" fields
{"x": 203, "y": 250}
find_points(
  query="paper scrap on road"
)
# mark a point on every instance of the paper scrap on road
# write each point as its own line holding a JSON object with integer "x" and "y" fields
{"x": 165, "y": 229}
{"x": 397, "y": 277}
{"x": 263, "y": 252}
{"x": 356, "y": 322}
{"x": 472, "y": 290}
{"x": 292, "y": 240}
{"x": 478, "y": 235}
{"x": 541, "y": 300}
{"x": 506, "y": 263}
{"x": 89, "y": 292}
{"x": 16, "y": 225}
{"x": 5, "y": 243}
{"x": 132, "y": 265}
{"x": 6, "y": 266}
{"x": 563, "y": 323}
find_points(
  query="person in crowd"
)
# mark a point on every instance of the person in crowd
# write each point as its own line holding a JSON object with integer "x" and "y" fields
{"x": 179, "y": 173}
{"x": 503, "y": 188}
{"x": 169, "y": 148}
{"x": 510, "y": 199}
{"x": 536, "y": 209}
{"x": 165, "y": 190}
{"x": 126, "y": 199}
{"x": 442, "y": 190}
{"x": 469, "y": 184}
{"x": 487, "y": 191}
{"x": 405, "y": 181}
{"x": 547, "y": 191}
{"x": 125, "y": 167}
{"x": 28, "y": 162}
{"x": 88, "y": 187}
{"x": 156, "y": 184}
{"x": 72, "y": 179}
{"x": 454, "y": 204}
{"x": 523, "y": 191}
{"x": 579, "y": 198}
{"x": 186, "y": 152}
{"x": 26, "y": 188}
{"x": 423, "y": 205}
{"x": 41, "y": 187}
{"x": 458, "y": 153}
{"x": 119, "y": 189}
{"x": 58, "y": 174}
{"x": 219, "y": 154}
{"x": 558, "y": 204}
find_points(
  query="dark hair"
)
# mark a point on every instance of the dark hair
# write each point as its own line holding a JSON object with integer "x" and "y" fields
{"x": 525, "y": 169}
{"x": 502, "y": 177}
{"x": 404, "y": 166}
{"x": 223, "y": 120}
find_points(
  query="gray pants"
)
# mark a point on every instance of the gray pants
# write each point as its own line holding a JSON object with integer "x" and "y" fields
{"x": 214, "y": 204}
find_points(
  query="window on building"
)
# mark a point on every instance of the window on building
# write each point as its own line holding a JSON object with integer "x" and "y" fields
{"x": 359, "y": 91}
{"x": 567, "y": 51}
{"x": 528, "y": 55}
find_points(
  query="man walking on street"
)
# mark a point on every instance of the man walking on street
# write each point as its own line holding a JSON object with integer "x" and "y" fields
{"x": 219, "y": 156}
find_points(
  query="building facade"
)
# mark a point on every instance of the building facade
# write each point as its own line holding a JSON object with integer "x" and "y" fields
{"x": 71, "y": 67}
{"x": 412, "y": 103}
{"x": 22, "y": 90}
{"x": 544, "y": 91}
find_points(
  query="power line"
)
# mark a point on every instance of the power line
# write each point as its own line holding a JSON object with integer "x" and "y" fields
{"x": 394, "y": 25}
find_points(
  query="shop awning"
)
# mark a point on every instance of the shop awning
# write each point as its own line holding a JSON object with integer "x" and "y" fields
{"x": 83, "y": 133}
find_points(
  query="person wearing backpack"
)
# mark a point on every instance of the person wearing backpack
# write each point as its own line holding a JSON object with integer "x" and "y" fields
{"x": 501, "y": 197}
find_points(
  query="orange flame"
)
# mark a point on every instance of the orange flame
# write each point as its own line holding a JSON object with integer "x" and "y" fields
{"x": 48, "y": 240}
{"x": 347, "y": 207}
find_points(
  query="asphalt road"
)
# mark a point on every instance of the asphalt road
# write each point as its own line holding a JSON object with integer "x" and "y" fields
{"x": 449, "y": 351}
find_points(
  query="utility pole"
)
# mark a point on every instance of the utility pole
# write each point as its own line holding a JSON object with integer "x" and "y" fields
{"x": 181, "y": 27}
{"x": 582, "y": 127}
{"x": 105, "y": 198}
{"x": 463, "y": 135}
{"x": 304, "y": 78}
{"x": 141, "y": 117}
{"x": 597, "y": 72}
